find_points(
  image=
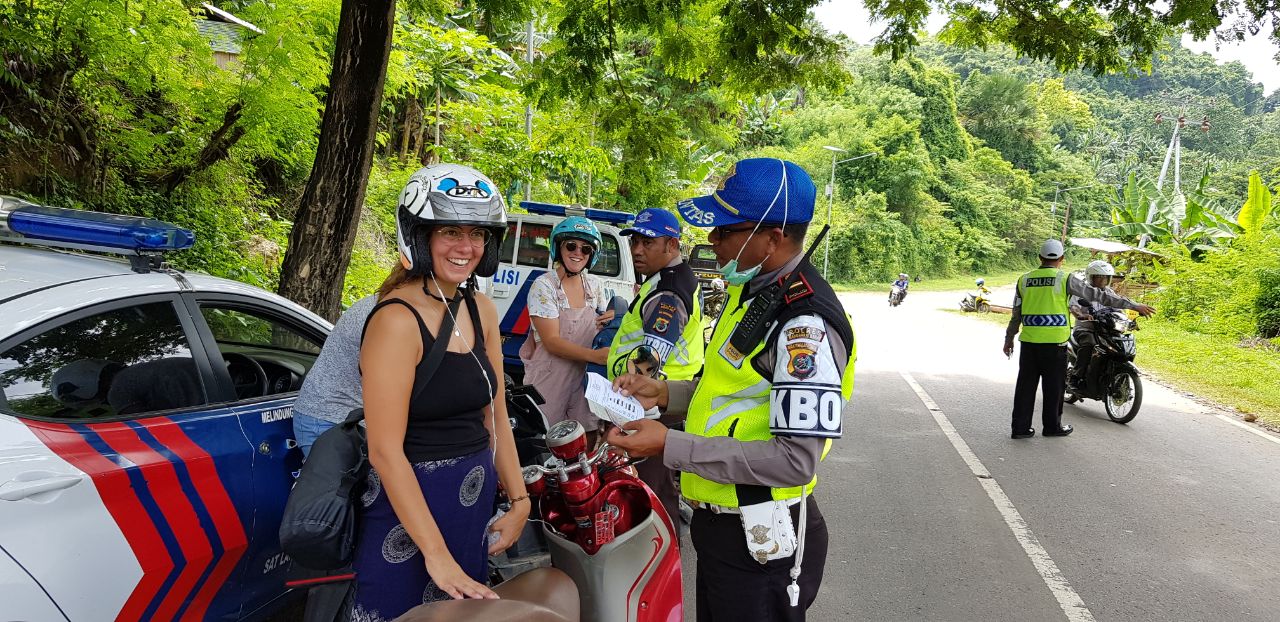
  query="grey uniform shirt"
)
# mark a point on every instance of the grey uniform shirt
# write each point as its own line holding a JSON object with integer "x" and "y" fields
{"x": 1077, "y": 288}
{"x": 782, "y": 461}
{"x": 332, "y": 387}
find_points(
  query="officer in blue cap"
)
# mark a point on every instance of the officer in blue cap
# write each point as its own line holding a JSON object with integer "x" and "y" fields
{"x": 777, "y": 374}
{"x": 661, "y": 333}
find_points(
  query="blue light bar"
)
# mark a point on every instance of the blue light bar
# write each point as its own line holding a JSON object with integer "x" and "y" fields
{"x": 59, "y": 224}
{"x": 602, "y": 215}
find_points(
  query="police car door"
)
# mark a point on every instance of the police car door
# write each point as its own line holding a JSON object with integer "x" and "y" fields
{"x": 262, "y": 354}
{"x": 125, "y": 506}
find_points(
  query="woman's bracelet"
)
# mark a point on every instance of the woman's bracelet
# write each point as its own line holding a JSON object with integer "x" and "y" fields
{"x": 524, "y": 497}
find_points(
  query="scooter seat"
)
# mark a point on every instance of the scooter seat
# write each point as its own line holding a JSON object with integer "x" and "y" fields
{"x": 540, "y": 595}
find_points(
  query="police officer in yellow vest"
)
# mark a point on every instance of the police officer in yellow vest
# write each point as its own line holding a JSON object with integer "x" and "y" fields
{"x": 661, "y": 333}
{"x": 1040, "y": 309}
{"x": 763, "y": 414}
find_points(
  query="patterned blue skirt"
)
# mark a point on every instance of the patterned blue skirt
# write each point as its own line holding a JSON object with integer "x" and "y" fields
{"x": 391, "y": 573}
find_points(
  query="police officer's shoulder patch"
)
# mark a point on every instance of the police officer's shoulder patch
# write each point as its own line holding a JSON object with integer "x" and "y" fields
{"x": 806, "y": 399}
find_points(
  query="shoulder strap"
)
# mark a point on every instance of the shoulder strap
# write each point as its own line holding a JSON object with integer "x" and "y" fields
{"x": 474, "y": 312}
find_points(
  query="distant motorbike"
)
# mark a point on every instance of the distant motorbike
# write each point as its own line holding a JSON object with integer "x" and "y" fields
{"x": 895, "y": 296}
{"x": 975, "y": 302}
{"x": 1112, "y": 377}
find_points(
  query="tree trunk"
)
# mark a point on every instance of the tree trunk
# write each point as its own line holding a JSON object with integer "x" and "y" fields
{"x": 410, "y": 107}
{"x": 421, "y": 130}
{"x": 324, "y": 227}
{"x": 437, "y": 118}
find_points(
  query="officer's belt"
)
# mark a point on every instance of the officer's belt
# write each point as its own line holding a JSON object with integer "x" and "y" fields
{"x": 724, "y": 509}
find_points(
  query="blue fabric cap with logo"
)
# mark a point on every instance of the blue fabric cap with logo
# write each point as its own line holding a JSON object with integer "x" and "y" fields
{"x": 655, "y": 222}
{"x": 765, "y": 190}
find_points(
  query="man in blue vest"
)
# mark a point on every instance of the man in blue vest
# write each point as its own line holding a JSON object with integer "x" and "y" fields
{"x": 1041, "y": 310}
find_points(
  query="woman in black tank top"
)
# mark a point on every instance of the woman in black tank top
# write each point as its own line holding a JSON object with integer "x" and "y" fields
{"x": 435, "y": 451}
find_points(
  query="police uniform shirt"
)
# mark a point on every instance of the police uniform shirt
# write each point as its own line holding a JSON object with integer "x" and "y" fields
{"x": 805, "y": 362}
{"x": 664, "y": 317}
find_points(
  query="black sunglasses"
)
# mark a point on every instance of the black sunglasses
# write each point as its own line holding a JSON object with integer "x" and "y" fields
{"x": 572, "y": 246}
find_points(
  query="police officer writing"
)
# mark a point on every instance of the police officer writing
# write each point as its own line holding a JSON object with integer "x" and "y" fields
{"x": 661, "y": 333}
{"x": 1041, "y": 310}
{"x": 777, "y": 373}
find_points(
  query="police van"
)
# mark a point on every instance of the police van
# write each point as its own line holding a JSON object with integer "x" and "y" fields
{"x": 526, "y": 255}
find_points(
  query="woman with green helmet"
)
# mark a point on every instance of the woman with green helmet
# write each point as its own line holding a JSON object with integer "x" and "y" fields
{"x": 565, "y": 308}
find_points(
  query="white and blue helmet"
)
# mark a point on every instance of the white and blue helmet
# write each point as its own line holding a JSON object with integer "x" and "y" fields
{"x": 448, "y": 194}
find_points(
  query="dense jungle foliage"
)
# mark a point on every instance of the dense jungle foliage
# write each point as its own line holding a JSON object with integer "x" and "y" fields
{"x": 172, "y": 110}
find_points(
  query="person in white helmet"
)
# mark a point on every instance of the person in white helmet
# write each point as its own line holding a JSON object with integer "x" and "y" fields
{"x": 1099, "y": 273}
{"x": 438, "y": 442}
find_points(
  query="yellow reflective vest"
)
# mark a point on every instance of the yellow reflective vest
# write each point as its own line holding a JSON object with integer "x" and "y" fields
{"x": 1045, "y": 319}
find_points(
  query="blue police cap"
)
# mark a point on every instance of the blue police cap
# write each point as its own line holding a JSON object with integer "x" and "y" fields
{"x": 765, "y": 190}
{"x": 655, "y": 222}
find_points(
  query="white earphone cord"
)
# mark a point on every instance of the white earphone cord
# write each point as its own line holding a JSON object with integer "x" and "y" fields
{"x": 493, "y": 413}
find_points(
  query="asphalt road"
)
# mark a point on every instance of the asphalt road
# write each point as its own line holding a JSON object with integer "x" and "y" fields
{"x": 1171, "y": 517}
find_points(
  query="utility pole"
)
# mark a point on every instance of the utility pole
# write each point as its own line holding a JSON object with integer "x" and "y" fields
{"x": 1164, "y": 170}
{"x": 528, "y": 107}
{"x": 1053, "y": 209}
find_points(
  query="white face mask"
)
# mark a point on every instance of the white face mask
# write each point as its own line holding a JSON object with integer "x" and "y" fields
{"x": 732, "y": 275}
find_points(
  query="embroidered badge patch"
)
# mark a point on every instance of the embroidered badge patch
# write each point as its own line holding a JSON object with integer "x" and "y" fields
{"x": 803, "y": 363}
{"x": 805, "y": 332}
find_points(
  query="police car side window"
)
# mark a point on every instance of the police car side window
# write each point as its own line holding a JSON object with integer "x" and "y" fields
{"x": 284, "y": 353}
{"x": 535, "y": 245}
{"x": 610, "y": 262}
{"x": 126, "y": 361}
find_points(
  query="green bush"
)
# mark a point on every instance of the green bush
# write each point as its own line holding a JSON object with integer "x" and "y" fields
{"x": 1267, "y": 304}
{"x": 1230, "y": 292}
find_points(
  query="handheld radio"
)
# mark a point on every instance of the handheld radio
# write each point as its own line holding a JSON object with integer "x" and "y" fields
{"x": 765, "y": 305}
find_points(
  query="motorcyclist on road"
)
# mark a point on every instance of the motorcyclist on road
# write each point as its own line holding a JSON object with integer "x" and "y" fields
{"x": 902, "y": 283}
{"x": 983, "y": 290}
{"x": 1099, "y": 274}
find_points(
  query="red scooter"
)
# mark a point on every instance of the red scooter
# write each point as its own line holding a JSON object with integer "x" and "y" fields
{"x": 603, "y": 528}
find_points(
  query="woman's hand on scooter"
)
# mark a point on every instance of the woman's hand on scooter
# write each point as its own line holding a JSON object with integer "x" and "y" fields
{"x": 509, "y": 526}
{"x": 449, "y": 577}
{"x": 604, "y": 318}
{"x": 648, "y": 391}
{"x": 648, "y": 438}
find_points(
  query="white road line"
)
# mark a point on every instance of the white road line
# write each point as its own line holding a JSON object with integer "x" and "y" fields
{"x": 1067, "y": 597}
{"x": 1248, "y": 428}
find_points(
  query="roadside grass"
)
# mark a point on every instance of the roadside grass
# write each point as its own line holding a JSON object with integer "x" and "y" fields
{"x": 951, "y": 283}
{"x": 1214, "y": 368}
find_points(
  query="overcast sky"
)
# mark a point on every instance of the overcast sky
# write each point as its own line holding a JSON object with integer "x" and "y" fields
{"x": 1257, "y": 53}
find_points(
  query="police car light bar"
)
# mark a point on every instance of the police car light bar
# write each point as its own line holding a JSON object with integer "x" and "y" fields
{"x": 602, "y": 215}
{"x": 71, "y": 228}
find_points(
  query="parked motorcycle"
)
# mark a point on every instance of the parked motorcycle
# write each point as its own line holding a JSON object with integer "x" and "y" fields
{"x": 895, "y": 296}
{"x": 1112, "y": 377}
{"x": 975, "y": 302}
{"x": 595, "y": 521}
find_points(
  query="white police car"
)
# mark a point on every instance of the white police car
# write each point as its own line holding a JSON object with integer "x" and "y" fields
{"x": 526, "y": 255}
{"x": 146, "y": 442}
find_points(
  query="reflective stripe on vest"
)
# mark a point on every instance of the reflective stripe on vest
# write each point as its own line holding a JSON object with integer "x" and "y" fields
{"x": 1043, "y": 292}
{"x": 735, "y": 397}
{"x": 685, "y": 359}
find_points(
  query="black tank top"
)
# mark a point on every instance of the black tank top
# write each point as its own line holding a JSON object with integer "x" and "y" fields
{"x": 447, "y": 410}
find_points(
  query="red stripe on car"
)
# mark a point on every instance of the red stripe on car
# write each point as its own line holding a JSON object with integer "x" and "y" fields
{"x": 205, "y": 479}
{"x": 161, "y": 477}
{"x": 122, "y": 503}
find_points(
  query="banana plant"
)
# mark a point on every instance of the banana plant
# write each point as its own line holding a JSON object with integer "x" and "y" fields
{"x": 1257, "y": 207}
{"x": 1192, "y": 219}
